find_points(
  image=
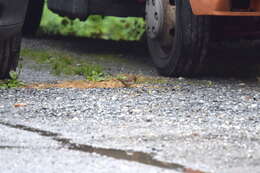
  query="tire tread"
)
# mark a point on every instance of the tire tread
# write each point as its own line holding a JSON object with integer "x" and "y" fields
{"x": 9, "y": 55}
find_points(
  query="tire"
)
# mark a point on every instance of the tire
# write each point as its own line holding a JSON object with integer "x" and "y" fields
{"x": 187, "y": 53}
{"x": 9, "y": 55}
{"x": 33, "y": 17}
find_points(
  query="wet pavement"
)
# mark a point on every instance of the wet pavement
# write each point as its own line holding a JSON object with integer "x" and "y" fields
{"x": 182, "y": 125}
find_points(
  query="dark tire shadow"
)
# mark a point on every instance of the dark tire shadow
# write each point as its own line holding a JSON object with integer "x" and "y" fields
{"x": 234, "y": 59}
{"x": 133, "y": 50}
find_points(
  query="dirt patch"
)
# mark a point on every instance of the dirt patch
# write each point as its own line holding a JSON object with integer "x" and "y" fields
{"x": 81, "y": 84}
{"x": 119, "y": 81}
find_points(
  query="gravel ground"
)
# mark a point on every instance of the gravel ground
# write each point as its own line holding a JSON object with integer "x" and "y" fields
{"x": 212, "y": 125}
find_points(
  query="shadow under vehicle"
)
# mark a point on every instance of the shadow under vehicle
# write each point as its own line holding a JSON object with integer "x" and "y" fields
{"x": 12, "y": 13}
{"x": 179, "y": 32}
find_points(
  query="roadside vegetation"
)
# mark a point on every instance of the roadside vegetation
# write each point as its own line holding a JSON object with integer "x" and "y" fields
{"x": 61, "y": 63}
{"x": 96, "y": 26}
{"x": 13, "y": 82}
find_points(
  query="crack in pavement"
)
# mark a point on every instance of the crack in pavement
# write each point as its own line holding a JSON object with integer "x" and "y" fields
{"x": 3, "y": 147}
{"x": 128, "y": 155}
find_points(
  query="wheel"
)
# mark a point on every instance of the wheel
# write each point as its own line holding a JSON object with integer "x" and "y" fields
{"x": 9, "y": 55}
{"x": 33, "y": 17}
{"x": 177, "y": 39}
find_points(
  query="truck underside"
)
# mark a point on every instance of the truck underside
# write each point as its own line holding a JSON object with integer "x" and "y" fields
{"x": 83, "y": 8}
{"x": 229, "y": 26}
{"x": 226, "y": 7}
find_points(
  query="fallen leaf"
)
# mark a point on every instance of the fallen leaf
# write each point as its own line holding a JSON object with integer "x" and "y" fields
{"x": 188, "y": 170}
{"x": 17, "y": 105}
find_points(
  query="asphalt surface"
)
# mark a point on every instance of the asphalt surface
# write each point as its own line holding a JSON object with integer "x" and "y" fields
{"x": 209, "y": 125}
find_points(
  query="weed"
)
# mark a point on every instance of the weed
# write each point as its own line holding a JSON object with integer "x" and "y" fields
{"x": 121, "y": 77}
{"x": 13, "y": 82}
{"x": 61, "y": 63}
{"x": 92, "y": 73}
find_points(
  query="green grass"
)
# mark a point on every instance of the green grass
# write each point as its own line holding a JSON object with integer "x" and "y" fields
{"x": 13, "y": 82}
{"x": 113, "y": 28}
{"x": 62, "y": 63}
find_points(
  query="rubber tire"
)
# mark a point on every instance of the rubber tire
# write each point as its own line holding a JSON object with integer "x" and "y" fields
{"x": 9, "y": 55}
{"x": 190, "y": 45}
{"x": 33, "y": 17}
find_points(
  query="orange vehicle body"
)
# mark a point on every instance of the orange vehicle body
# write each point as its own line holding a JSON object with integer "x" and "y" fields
{"x": 223, "y": 8}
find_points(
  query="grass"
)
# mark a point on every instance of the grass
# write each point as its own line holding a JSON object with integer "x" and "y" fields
{"x": 62, "y": 63}
{"x": 13, "y": 82}
{"x": 109, "y": 28}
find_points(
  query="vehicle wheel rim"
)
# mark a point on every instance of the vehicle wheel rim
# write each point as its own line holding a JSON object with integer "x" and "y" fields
{"x": 160, "y": 24}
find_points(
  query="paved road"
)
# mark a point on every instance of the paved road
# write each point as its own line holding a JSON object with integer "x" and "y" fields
{"x": 182, "y": 125}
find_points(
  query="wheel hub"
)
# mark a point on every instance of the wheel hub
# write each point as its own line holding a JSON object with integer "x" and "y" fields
{"x": 160, "y": 20}
{"x": 154, "y": 17}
